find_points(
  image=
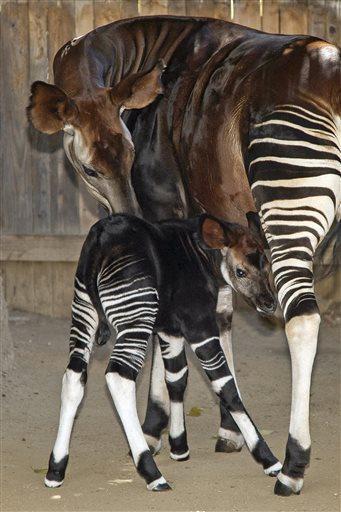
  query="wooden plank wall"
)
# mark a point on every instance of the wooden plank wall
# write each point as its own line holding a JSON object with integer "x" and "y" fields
{"x": 40, "y": 194}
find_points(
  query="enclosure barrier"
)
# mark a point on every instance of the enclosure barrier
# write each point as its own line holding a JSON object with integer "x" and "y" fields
{"x": 45, "y": 211}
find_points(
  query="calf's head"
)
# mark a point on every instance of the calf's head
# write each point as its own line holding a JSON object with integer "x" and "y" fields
{"x": 96, "y": 140}
{"x": 244, "y": 265}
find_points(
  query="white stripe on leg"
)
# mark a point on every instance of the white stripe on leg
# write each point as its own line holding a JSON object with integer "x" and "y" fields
{"x": 247, "y": 429}
{"x": 177, "y": 424}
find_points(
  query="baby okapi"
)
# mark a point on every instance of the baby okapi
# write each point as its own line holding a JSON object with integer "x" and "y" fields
{"x": 162, "y": 277}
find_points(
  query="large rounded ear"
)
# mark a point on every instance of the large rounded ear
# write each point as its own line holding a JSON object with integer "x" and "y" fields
{"x": 217, "y": 234}
{"x": 140, "y": 89}
{"x": 213, "y": 234}
{"x": 50, "y": 108}
{"x": 254, "y": 224}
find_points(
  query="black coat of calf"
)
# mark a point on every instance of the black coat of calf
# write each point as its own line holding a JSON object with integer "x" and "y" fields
{"x": 162, "y": 278}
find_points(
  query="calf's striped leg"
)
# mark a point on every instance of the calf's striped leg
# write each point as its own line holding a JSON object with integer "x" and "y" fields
{"x": 131, "y": 306}
{"x": 82, "y": 335}
{"x": 294, "y": 168}
{"x": 175, "y": 361}
{"x": 214, "y": 363}
{"x": 229, "y": 437}
{"x": 157, "y": 412}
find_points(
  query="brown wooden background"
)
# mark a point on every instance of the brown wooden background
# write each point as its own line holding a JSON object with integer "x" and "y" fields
{"x": 45, "y": 211}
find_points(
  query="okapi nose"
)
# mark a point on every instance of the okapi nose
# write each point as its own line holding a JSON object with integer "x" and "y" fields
{"x": 267, "y": 303}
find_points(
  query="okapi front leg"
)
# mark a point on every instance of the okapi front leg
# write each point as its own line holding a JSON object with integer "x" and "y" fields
{"x": 214, "y": 363}
{"x": 82, "y": 335}
{"x": 157, "y": 413}
{"x": 229, "y": 437}
{"x": 175, "y": 361}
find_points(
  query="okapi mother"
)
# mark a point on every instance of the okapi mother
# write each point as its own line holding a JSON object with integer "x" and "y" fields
{"x": 244, "y": 115}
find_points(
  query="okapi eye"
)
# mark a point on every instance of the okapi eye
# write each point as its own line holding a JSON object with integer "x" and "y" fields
{"x": 89, "y": 172}
{"x": 240, "y": 272}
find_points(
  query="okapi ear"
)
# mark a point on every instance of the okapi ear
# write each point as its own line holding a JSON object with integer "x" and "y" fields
{"x": 50, "y": 108}
{"x": 213, "y": 234}
{"x": 254, "y": 224}
{"x": 140, "y": 89}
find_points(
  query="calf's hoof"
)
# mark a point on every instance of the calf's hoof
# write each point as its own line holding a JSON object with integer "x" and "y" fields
{"x": 159, "y": 485}
{"x": 56, "y": 472}
{"x": 286, "y": 486}
{"x": 52, "y": 484}
{"x": 227, "y": 446}
{"x": 162, "y": 487}
{"x": 180, "y": 457}
{"x": 283, "y": 490}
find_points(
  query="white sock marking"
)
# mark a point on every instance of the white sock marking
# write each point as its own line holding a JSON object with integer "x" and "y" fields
{"x": 72, "y": 394}
{"x": 123, "y": 392}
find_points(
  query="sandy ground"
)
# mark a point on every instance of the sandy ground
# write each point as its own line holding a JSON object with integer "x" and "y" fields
{"x": 101, "y": 476}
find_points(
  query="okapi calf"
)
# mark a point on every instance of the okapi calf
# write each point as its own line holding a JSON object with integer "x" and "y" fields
{"x": 163, "y": 278}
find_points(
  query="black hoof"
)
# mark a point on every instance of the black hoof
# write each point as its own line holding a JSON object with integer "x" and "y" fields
{"x": 283, "y": 490}
{"x": 162, "y": 487}
{"x": 56, "y": 472}
{"x": 226, "y": 446}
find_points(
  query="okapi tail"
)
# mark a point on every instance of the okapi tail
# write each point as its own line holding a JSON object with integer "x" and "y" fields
{"x": 103, "y": 332}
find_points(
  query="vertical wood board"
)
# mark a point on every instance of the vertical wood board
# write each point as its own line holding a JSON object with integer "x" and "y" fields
{"x": 16, "y": 190}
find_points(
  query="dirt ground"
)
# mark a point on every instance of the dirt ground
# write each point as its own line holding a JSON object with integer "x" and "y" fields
{"x": 100, "y": 475}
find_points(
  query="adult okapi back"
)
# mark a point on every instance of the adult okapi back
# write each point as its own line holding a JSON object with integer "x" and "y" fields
{"x": 244, "y": 116}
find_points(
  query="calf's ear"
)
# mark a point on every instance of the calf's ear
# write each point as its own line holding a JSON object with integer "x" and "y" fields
{"x": 139, "y": 89}
{"x": 213, "y": 234}
{"x": 50, "y": 108}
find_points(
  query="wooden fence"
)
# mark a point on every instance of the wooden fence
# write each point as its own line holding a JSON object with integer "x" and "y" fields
{"x": 45, "y": 211}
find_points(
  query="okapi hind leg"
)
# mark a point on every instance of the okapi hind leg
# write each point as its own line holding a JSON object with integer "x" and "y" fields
{"x": 175, "y": 361}
{"x": 130, "y": 303}
{"x": 230, "y": 438}
{"x": 157, "y": 412}
{"x": 294, "y": 168}
{"x": 82, "y": 335}
{"x": 302, "y": 334}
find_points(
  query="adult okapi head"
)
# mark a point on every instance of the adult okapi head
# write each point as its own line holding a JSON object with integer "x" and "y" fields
{"x": 244, "y": 265}
{"x": 96, "y": 140}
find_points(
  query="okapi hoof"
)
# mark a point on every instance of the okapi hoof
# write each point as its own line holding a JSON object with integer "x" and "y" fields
{"x": 273, "y": 470}
{"x": 159, "y": 485}
{"x": 56, "y": 472}
{"x": 284, "y": 490}
{"x": 162, "y": 487}
{"x": 227, "y": 446}
{"x": 179, "y": 457}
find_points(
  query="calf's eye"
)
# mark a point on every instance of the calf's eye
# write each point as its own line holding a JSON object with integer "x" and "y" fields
{"x": 240, "y": 272}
